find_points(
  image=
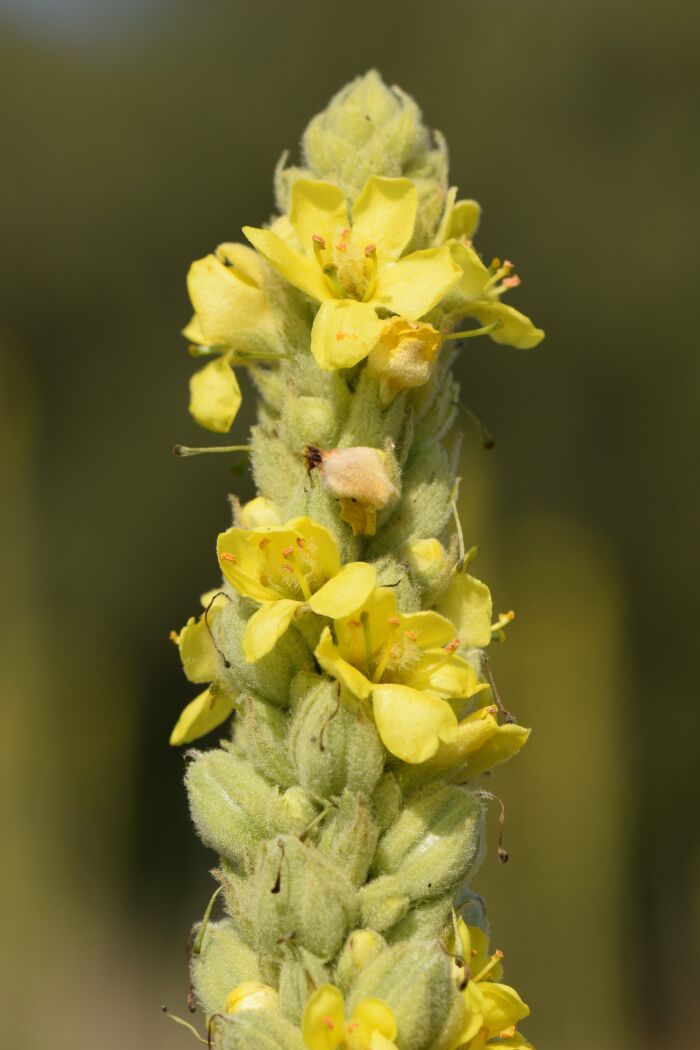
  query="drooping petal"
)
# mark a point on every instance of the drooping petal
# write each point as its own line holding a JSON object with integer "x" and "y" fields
{"x": 333, "y": 663}
{"x": 475, "y": 275}
{"x": 373, "y": 1015}
{"x": 215, "y": 396}
{"x": 415, "y": 284}
{"x": 200, "y": 660}
{"x": 410, "y": 722}
{"x": 317, "y": 208}
{"x": 464, "y": 220}
{"x": 347, "y": 590}
{"x": 384, "y": 215}
{"x": 344, "y": 332}
{"x": 515, "y": 328}
{"x": 463, "y": 740}
{"x": 431, "y": 629}
{"x": 204, "y": 713}
{"x": 319, "y": 545}
{"x": 503, "y": 1006}
{"x": 246, "y": 556}
{"x": 228, "y": 305}
{"x": 300, "y": 270}
{"x": 467, "y": 603}
{"x": 323, "y": 1021}
{"x": 499, "y": 748}
{"x": 266, "y": 626}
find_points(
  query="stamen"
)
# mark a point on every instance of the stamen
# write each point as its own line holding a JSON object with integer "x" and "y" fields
{"x": 319, "y": 245}
{"x": 371, "y": 256}
{"x": 511, "y": 282}
{"x": 328, "y": 1022}
{"x": 330, "y": 272}
{"x": 366, "y": 634}
{"x": 264, "y": 542}
{"x": 490, "y": 965}
{"x": 286, "y": 551}
{"x": 227, "y": 556}
{"x": 388, "y": 650}
{"x": 411, "y": 635}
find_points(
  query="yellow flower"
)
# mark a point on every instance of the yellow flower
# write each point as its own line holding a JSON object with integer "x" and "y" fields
{"x": 407, "y": 664}
{"x": 232, "y": 319}
{"x": 355, "y": 269}
{"x": 479, "y": 741}
{"x": 284, "y": 568}
{"x": 372, "y": 1025}
{"x": 404, "y": 356}
{"x": 467, "y": 602}
{"x": 492, "y": 1009}
{"x": 251, "y": 995}
{"x": 478, "y": 292}
{"x": 201, "y": 663}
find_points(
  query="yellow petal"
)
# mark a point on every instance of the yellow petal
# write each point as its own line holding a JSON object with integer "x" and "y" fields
{"x": 464, "y": 219}
{"x": 424, "y": 555}
{"x": 215, "y": 396}
{"x": 204, "y": 713}
{"x": 266, "y": 627}
{"x": 377, "y": 1041}
{"x": 200, "y": 660}
{"x": 344, "y": 333}
{"x": 300, "y": 270}
{"x": 227, "y": 304}
{"x": 455, "y": 679}
{"x": 251, "y": 995}
{"x": 323, "y": 1021}
{"x": 245, "y": 557}
{"x": 348, "y": 589}
{"x": 431, "y": 628}
{"x": 320, "y": 545}
{"x": 331, "y": 660}
{"x": 503, "y": 1006}
{"x": 317, "y": 208}
{"x": 516, "y": 1042}
{"x": 194, "y": 333}
{"x": 363, "y": 634}
{"x": 475, "y": 276}
{"x": 373, "y": 1015}
{"x": 384, "y": 215}
{"x": 499, "y": 748}
{"x": 481, "y": 957}
{"x": 410, "y": 722}
{"x": 415, "y": 284}
{"x": 516, "y": 329}
{"x": 259, "y": 512}
{"x": 458, "y": 742}
{"x": 467, "y": 603}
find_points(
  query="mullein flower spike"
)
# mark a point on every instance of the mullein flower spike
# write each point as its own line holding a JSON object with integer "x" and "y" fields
{"x": 347, "y": 639}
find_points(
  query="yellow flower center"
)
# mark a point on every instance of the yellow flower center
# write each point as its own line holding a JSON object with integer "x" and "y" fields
{"x": 292, "y": 572}
{"x": 394, "y": 655}
{"x": 350, "y": 270}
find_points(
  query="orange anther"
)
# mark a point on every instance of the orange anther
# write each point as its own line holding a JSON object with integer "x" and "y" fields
{"x": 329, "y": 1023}
{"x": 354, "y": 623}
{"x": 511, "y": 282}
{"x": 394, "y": 621}
{"x": 318, "y": 240}
{"x": 452, "y": 646}
{"x": 264, "y": 542}
{"x": 411, "y": 635}
{"x": 499, "y": 954}
{"x": 286, "y": 551}
{"x": 226, "y": 556}
{"x": 370, "y": 250}
{"x": 301, "y": 542}
{"x": 286, "y": 567}
{"x": 173, "y": 636}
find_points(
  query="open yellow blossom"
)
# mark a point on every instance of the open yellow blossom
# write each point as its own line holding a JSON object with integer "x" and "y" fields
{"x": 407, "y": 664}
{"x": 201, "y": 663}
{"x": 284, "y": 568}
{"x": 355, "y": 268}
{"x": 233, "y": 320}
{"x": 371, "y": 1026}
{"x": 492, "y": 1009}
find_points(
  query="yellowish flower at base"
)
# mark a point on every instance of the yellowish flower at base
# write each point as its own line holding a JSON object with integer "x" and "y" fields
{"x": 479, "y": 741}
{"x": 251, "y": 995}
{"x": 215, "y": 396}
{"x": 355, "y": 268}
{"x": 404, "y": 356}
{"x": 284, "y": 568}
{"x": 372, "y": 1025}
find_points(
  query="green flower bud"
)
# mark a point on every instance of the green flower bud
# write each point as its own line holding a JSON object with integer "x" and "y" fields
{"x": 383, "y": 902}
{"x": 361, "y": 948}
{"x": 435, "y": 842}
{"x": 224, "y": 961}
{"x": 300, "y": 974}
{"x": 425, "y": 920}
{"x": 234, "y": 808}
{"x": 259, "y": 1029}
{"x": 334, "y": 743}
{"x": 415, "y": 981}
{"x": 349, "y": 836}
{"x": 296, "y": 892}
{"x": 311, "y": 419}
{"x": 261, "y": 732}
{"x": 386, "y": 801}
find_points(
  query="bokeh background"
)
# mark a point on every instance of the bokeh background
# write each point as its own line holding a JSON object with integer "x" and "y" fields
{"x": 135, "y": 137}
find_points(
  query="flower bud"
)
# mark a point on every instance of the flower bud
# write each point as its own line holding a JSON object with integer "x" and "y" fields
{"x": 424, "y": 920}
{"x": 361, "y": 948}
{"x": 261, "y": 1029}
{"x": 261, "y": 733}
{"x": 434, "y": 843}
{"x": 299, "y": 971}
{"x": 258, "y": 513}
{"x": 295, "y": 890}
{"x": 386, "y": 801}
{"x": 349, "y": 836}
{"x": 311, "y": 419}
{"x": 383, "y": 902}
{"x": 224, "y": 961}
{"x": 403, "y": 356}
{"x": 334, "y": 743}
{"x": 251, "y": 995}
{"x": 359, "y": 478}
{"x": 415, "y": 981}
{"x": 424, "y": 556}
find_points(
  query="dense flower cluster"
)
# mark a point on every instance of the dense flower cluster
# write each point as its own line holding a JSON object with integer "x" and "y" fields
{"x": 348, "y": 637}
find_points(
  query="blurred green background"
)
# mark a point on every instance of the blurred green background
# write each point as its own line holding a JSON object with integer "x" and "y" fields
{"x": 136, "y": 136}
